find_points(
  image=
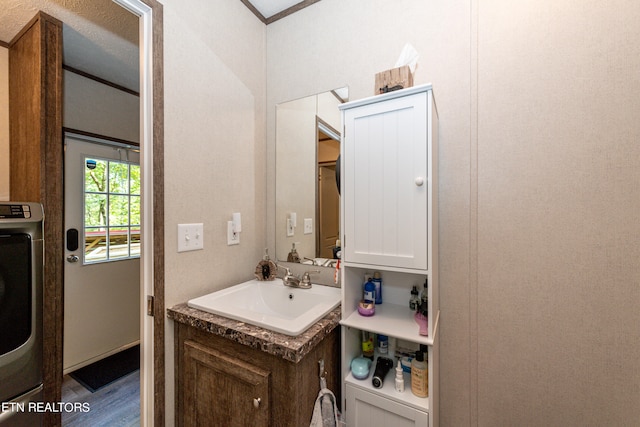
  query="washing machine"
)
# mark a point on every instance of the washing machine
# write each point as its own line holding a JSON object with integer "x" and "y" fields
{"x": 21, "y": 283}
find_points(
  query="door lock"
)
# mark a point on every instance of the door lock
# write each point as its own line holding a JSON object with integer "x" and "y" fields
{"x": 73, "y": 258}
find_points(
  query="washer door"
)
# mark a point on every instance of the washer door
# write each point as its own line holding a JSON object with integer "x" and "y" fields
{"x": 15, "y": 291}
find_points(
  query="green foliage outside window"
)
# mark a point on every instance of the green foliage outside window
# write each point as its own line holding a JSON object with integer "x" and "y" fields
{"x": 111, "y": 210}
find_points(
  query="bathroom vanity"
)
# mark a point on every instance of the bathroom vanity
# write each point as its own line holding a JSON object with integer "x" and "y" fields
{"x": 232, "y": 373}
{"x": 389, "y": 217}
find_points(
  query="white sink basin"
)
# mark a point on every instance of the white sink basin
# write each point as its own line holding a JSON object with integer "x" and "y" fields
{"x": 271, "y": 305}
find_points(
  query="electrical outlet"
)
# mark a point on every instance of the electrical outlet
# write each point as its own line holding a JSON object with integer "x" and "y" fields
{"x": 233, "y": 237}
{"x": 308, "y": 225}
{"x": 290, "y": 228}
{"x": 190, "y": 237}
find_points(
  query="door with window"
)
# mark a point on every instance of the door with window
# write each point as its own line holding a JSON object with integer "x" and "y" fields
{"x": 102, "y": 249}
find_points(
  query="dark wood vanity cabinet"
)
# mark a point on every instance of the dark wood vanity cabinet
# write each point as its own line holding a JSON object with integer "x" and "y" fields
{"x": 218, "y": 387}
{"x": 220, "y": 382}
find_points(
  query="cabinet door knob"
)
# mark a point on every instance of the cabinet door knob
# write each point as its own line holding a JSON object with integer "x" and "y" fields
{"x": 256, "y": 402}
{"x": 419, "y": 181}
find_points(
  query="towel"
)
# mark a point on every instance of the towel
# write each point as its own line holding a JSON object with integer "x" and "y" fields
{"x": 325, "y": 410}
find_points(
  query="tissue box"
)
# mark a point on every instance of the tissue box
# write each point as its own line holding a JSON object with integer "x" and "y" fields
{"x": 393, "y": 79}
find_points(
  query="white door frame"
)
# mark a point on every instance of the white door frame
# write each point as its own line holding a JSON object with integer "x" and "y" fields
{"x": 140, "y": 9}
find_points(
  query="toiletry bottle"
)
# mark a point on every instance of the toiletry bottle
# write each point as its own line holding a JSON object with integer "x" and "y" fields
{"x": 414, "y": 301}
{"x": 377, "y": 280}
{"x": 367, "y": 345}
{"x": 424, "y": 297}
{"x": 419, "y": 375}
{"x": 370, "y": 291}
{"x": 399, "y": 378}
{"x": 392, "y": 347}
{"x": 293, "y": 255}
{"x": 383, "y": 345}
{"x": 337, "y": 250}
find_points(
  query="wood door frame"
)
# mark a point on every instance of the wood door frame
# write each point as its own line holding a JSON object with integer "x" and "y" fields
{"x": 158, "y": 212}
{"x": 153, "y": 267}
{"x": 43, "y": 146}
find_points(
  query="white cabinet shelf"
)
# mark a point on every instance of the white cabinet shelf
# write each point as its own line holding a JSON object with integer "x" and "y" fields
{"x": 391, "y": 320}
{"x": 388, "y": 390}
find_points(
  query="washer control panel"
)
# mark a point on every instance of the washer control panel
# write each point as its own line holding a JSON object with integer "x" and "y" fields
{"x": 15, "y": 211}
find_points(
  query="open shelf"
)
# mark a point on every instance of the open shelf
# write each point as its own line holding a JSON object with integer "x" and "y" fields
{"x": 391, "y": 320}
{"x": 388, "y": 389}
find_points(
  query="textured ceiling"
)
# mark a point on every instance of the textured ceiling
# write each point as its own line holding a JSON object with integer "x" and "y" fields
{"x": 268, "y": 8}
{"x": 99, "y": 37}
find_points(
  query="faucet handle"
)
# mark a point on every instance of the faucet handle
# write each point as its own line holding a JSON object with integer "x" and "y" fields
{"x": 305, "y": 277}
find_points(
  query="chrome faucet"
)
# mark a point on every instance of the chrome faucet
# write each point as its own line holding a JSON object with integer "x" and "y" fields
{"x": 313, "y": 261}
{"x": 294, "y": 281}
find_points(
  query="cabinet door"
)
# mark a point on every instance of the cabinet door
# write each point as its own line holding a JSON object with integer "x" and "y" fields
{"x": 370, "y": 410}
{"x": 386, "y": 182}
{"x": 220, "y": 390}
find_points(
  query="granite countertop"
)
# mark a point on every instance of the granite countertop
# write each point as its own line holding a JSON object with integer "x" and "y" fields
{"x": 289, "y": 348}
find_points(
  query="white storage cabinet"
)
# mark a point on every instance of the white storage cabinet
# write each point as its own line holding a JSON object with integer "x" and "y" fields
{"x": 389, "y": 217}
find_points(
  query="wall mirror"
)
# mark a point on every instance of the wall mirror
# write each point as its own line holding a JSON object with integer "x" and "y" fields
{"x": 307, "y": 199}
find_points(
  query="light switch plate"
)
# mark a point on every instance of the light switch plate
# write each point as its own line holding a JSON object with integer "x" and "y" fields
{"x": 308, "y": 225}
{"x": 190, "y": 237}
{"x": 290, "y": 229}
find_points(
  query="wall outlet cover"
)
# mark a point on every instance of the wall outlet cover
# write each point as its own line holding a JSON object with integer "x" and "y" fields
{"x": 233, "y": 237}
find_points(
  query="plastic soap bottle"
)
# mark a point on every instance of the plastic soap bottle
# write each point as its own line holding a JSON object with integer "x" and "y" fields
{"x": 370, "y": 291}
{"x": 383, "y": 345}
{"x": 367, "y": 345}
{"x": 414, "y": 302}
{"x": 337, "y": 250}
{"x": 419, "y": 375}
{"x": 293, "y": 255}
{"x": 399, "y": 378}
{"x": 424, "y": 298}
{"x": 377, "y": 280}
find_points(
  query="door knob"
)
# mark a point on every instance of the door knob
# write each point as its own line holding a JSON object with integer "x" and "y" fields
{"x": 73, "y": 258}
{"x": 419, "y": 181}
{"x": 256, "y": 402}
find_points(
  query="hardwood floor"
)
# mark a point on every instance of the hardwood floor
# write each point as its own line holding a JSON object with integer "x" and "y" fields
{"x": 117, "y": 404}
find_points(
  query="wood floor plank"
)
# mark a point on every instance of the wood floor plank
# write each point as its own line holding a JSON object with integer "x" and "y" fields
{"x": 117, "y": 404}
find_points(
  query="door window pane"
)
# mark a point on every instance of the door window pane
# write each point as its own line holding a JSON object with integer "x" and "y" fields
{"x": 111, "y": 210}
{"x": 134, "y": 179}
{"x": 94, "y": 249}
{"x": 118, "y": 210}
{"x": 95, "y": 209}
{"x": 95, "y": 177}
{"x": 118, "y": 178}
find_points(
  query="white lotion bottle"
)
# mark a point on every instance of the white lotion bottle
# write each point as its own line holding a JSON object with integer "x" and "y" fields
{"x": 399, "y": 378}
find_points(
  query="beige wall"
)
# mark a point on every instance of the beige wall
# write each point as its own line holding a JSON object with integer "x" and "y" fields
{"x": 214, "y": 99}
{"x": 93, "y": 107}
{"x": 4, "y": 123}
{"x": 558, "y": 196}
{"x": 539, "y": 172}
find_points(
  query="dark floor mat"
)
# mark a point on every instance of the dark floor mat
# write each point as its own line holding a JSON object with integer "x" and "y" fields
{"x": 108, "y": 370}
